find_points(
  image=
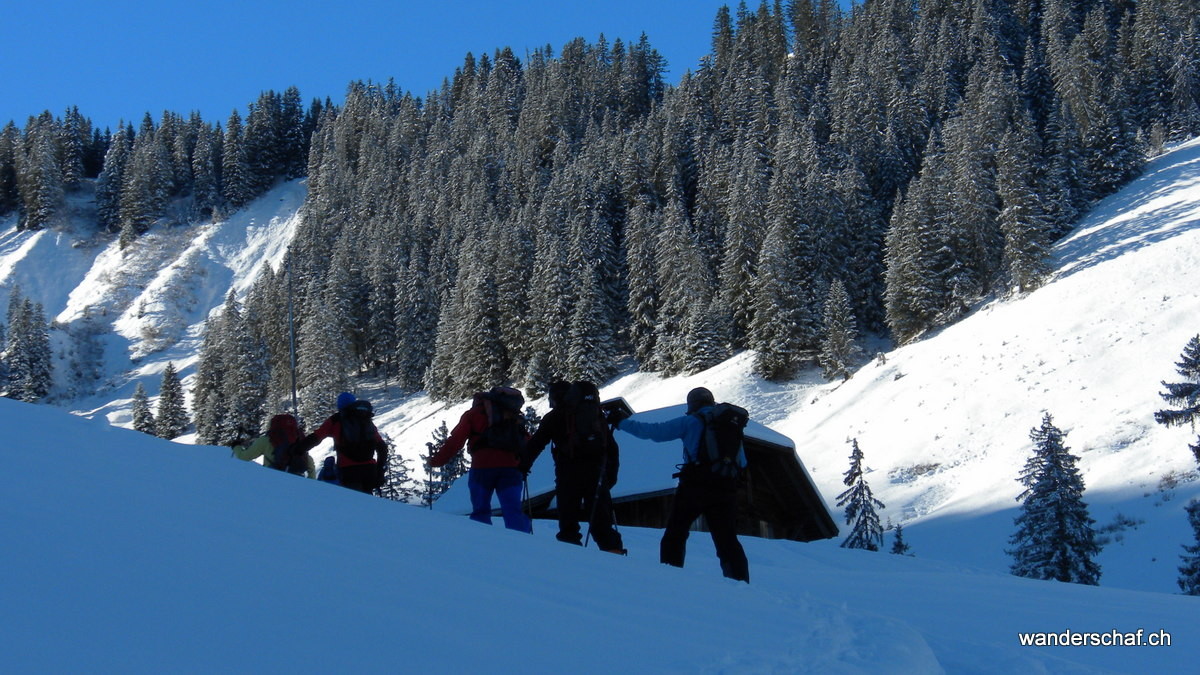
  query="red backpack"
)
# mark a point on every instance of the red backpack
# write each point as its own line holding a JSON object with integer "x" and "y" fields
{"x": 283, "y": 432}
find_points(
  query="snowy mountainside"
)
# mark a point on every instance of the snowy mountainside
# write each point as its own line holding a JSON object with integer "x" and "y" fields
{"x": 943, "y": 422}
{"x": 121, "y": 316}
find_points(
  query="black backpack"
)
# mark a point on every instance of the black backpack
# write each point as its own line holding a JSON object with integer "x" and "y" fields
{"x": 506, "y": 429}
{"x": 357, "y": 438}
{"x": 721, "y": 442}
{"x": 587, "y": 433}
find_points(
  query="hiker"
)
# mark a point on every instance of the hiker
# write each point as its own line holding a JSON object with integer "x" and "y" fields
{"x": 329, "y": 471}
{"x": 494, "y": 432}
{"x": 586, "y": 461}
{"x": 700, "y": 491}
{"x": 357, "y": 443}
{"x": 278, "y": 448}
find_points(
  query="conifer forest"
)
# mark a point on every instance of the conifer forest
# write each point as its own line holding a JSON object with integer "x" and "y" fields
{"x": 567, "y": 213}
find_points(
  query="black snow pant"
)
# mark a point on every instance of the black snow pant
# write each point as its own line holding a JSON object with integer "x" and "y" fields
{"x": 575, "y": 484}
{"x": 360, "y": 477}
{"x": 706, "y": 494}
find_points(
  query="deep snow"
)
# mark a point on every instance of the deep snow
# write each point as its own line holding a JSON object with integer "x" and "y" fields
{"x": 158, "y": 556}
{"x": 126, "y": 553}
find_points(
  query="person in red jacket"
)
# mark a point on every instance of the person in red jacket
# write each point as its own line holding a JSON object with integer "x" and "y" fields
{"x": 356, "y": 441}
{"x": 494, "y": 432}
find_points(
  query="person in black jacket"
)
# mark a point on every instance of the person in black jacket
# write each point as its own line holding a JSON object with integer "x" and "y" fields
{"x": 586, "y": 461}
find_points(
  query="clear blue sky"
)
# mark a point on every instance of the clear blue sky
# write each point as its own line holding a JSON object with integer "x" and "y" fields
{"x": 119, "y": 59}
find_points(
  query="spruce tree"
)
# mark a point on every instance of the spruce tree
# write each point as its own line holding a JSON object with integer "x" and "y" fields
{"x": 899, "y": 546}
{"x": 441, "y": 478}
{"x": 399, "y": 484}
{"x": 861, "y": 515}
{"x": 1189, "y": 572}
{"x": 28, "y": 361}
{"x": 171, "y": 419}
{"x": 1184, "y": 395}
{"x": 1054, "y": 537}
{"x": 839, "y": 347}
{"x": 143, "y": 418}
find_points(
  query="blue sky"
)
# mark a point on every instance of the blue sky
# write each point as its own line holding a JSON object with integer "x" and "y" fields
{"x": 119, "y": 59}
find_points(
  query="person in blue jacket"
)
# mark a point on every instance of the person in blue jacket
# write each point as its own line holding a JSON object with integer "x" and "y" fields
{"x": 700, "y": 492}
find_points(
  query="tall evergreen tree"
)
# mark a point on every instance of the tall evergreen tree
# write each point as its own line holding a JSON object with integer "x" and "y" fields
{"x": 27, "y": 357}
{"x": 171, "y": 419}
{"x": 112, "y": 178}
{"x": 861, "y": 505}
{"x": 839, "y": 347}
{"x": 143, "y": 418}
{"x": 1054, "y": 537}
{"x": 39, "y": 175}
{"x": 10, "y": 195}
{"x": 1189, "y": 571}
{"x": 1184, "y": 395}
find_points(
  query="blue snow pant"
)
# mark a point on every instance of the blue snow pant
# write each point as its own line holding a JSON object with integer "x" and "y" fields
{"x": 506, "y": 483}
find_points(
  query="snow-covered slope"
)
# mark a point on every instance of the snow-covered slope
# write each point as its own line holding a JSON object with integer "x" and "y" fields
{"x": 143, "y": 307}
{"x": 943, "y": 422}
{"x": 128, "y": 554}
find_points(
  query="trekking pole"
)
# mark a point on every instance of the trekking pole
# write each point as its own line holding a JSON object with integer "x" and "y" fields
{"x": 429, "y": 485}
{"x": 528, "y": 509}
{"x": 595, "y": 499}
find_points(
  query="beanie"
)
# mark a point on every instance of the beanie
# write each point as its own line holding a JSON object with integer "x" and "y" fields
{"x": 699, "y": 398}
{"x": 344, "y": 399}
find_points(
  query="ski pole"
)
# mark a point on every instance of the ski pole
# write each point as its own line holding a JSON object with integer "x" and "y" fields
{"x": 527, "y": 508}
{"x": 595, "y": 499}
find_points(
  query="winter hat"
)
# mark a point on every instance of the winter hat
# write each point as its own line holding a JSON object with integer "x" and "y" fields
{"x": 344, "y": 399}
{"x": 699, "y": 398}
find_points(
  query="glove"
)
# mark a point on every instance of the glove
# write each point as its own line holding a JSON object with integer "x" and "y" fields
{"x": 381, "y": 476}
{"x": 616, "y": 416}
{"x": 236, "y": 442}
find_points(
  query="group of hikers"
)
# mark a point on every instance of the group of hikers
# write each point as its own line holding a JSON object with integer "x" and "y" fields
{"x": 586, "y": 457}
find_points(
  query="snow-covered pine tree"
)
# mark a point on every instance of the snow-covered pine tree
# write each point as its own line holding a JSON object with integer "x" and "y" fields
{"x": 861, "y": 505}
{"x": 1054, "y": 537}
{"x": 27, "y": 358}
{"x": 899, "y": 546}
{"x": 1189, "y": 572}
{"x": 399, "y": 484}
{"x": 839, "y": 347}
{"x": 143, "y": 418}
{"x": 1185, "y": 395}
{"x": 112, "y": 178}
{"x": 171, "y": 420}
{"x": 439, "y": 479}
{"x": 10, "y": 196}
{"x": 244, "y": 384}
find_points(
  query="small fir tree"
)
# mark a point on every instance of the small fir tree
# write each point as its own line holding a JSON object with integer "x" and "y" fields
{"x": 441, "y": 478}
{"x": 399, "y": 484}
{"x": 1184, "y": 395}
{"x": 143, "y": 419}
{"x": 1189, "y": 572}
{"x": 861, "y": 505}
{"x": 1054, "y": 537}
{"x": 172, "y": 419}
{"x": 899, "y": 546}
